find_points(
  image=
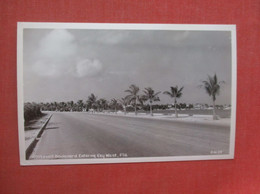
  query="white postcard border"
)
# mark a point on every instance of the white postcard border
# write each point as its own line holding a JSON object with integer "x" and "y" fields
{"x": 194, "y": 27}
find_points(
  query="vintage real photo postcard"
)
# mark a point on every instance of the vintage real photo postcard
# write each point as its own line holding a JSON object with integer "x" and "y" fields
{"x": 117, "y": 93}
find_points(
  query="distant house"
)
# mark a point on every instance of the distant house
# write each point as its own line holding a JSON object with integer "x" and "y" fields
{"x": 198, "y": 106}
{"x": 227, "y": 107}
{"x": 170, "y": 105}
{"x": 91, "y": 110}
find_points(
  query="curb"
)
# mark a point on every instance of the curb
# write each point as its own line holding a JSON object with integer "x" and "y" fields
{"x": 30, "y": 148}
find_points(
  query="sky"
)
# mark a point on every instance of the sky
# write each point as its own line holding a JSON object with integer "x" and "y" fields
{"x": 70, "y": 64}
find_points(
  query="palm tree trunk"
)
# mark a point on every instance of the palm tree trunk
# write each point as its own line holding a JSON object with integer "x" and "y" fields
{"x": 135, "y": 106}
{"x": 151, "y": 109}
{"x": 214, "y": 111}
{"x": 175, "y": 106}
{"x": 124, "y": 110}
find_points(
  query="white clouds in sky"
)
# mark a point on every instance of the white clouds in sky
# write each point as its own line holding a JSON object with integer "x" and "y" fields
{"x": 44, "y": 68}
{"x": 88, "y": 67}
{"x": 70, "y": 64}
{"x": 57, "y": 44}
{"x": 57, "y": 56}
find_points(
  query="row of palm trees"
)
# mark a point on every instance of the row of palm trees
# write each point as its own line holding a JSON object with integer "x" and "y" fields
{"x": 151, "y": 96}
{"x": 134, "y": 99}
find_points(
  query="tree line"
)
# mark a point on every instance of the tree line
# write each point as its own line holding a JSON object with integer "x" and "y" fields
{"x": 136, "y": 100}
{"x": 133, "y": 101}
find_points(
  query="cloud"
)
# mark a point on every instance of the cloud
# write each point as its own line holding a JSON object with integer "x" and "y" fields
{"x": 57, "y": 44}
{"x": 107, "y": 37}
{"x": 88, "y": 68}
{"x": 56, "y": 53}
{"x": 113, "y": 37}
{"x": 44, "y": 68}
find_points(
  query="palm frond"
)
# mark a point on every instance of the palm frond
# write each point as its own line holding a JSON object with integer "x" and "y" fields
{"x": 212, "y": 86}
{"x": 168, "y": 93}
{"x": 180, "y": 89}
{"x": 130, "y": 98}
{"x": 139, "y": 99}
{"x": 215, "y": 79}
{"x": 129, "y": 91}
{"x": 157, "y": 93}
{"x": 156, "y": 99}
{"x": 178, "y": 95}
{"x": 173, "y": 90}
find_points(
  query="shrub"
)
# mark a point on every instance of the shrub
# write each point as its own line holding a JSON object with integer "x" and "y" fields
{"x": 31, "y": 111}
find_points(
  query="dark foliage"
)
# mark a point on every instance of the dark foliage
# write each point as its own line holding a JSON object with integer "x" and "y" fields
{"x": 31, "y": 111}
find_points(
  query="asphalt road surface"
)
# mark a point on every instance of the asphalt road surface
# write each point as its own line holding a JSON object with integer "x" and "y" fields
{"x": 83, "y": 133}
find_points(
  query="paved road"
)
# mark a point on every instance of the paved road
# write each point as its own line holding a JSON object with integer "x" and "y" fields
{"x": 83, "y": 133}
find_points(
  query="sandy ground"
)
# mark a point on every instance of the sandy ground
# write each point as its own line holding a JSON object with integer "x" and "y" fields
{"x": 200, "y": 119}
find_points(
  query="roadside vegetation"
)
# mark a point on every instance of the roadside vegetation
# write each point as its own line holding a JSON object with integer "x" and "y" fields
{"x": 135, "y": 101}
{"x": 31, "y": 111}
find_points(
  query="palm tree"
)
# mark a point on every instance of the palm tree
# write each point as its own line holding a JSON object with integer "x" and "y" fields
{"x": 80, "y": 105}
{"x": 212, "y": 87}
{"x": 62, "y": 106}
{"x": 114, "y": 104}
{"x": 151, "y": 97}
{"x": 103, "y": 103}
{"x": 55, "y": 104}
{"x": 98, "y": 105}
{"x": 88, "y": 105}
{"x": 92, "y": 99}
{"x": 133, "y": 96}
{"x": 175, "y": 93}
{"x": 71, "y": 105}
{"x": 124, "y": 103}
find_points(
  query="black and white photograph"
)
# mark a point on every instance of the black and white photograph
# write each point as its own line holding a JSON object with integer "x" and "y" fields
{"x": 118, "y": 93}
